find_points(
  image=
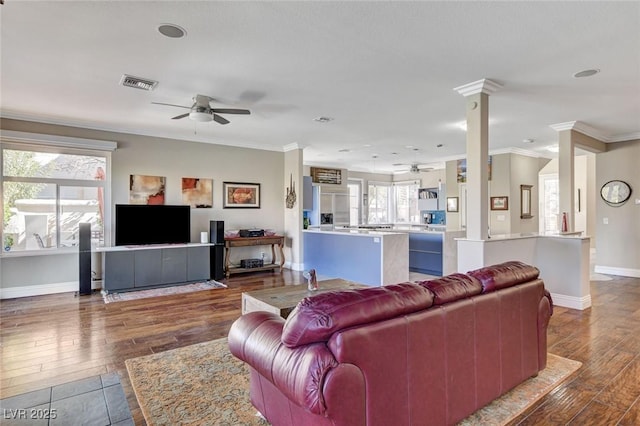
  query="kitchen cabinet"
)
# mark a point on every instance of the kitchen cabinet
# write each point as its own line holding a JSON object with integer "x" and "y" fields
{"x": 432, "y": 198}
{"x": 425, "y": 252}
{"x": 330, "y": 208}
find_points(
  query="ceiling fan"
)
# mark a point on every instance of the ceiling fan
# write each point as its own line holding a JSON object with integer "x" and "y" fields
{"x": 414, "y": 168}
{"x": 202, "y": 111}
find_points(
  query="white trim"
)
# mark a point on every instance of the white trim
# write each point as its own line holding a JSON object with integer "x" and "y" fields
{"x": 38, "y": 290}
{"x": 623, "y": 272}
{"x": 624, "y": 138}
{"x": 140, "y": 132}
{"x": 592, "y": 132}
{"x": 293, "y": 146}
{"x": 573, "y": 302}
{"x": 294, "y": 266}
{"x": 480, "y": 86}
{"x": 57, "y": 141}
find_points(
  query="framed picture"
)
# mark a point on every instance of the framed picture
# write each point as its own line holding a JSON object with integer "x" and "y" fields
{"x": 499, "y": 203}
{"x": 525, "y": 201}
{"x": 452, "y": 204}
{"x": 241, "y": 195}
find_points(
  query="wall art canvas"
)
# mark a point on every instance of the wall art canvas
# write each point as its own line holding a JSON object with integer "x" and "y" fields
{"x": 241, "y": 195}
{"x": 146, "y": 189}
{"x": 461, "y": 169}
{"x": 197, "y": 192}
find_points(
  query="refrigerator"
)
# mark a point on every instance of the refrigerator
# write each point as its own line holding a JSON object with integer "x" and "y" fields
{"x": 330, "y": 207}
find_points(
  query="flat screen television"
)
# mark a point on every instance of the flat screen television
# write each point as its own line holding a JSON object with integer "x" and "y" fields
{"x": 152, "y": 224}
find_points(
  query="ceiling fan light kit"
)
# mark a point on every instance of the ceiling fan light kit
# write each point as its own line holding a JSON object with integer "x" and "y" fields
{"x": 200, "y": 116}
{"x": 201, "y": 110}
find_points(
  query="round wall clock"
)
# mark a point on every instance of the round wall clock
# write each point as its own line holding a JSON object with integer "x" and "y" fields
{"x": 615, "y": 192}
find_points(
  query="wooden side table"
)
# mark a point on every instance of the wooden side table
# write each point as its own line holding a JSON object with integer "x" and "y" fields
{"x": 273, "y": 241}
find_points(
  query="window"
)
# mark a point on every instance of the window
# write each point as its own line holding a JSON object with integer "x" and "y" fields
{"x": 379, "y": 203}
{"x": 354, "y": 202}
{"x": 406, "y": 202}
{"x": 47, "y": 191}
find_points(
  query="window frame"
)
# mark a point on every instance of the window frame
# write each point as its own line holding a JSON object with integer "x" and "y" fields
{"x": 414, "y": 195}
{"x": 20, "y": 141}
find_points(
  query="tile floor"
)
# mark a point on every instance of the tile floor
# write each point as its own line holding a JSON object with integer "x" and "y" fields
{"x": 96, "y": 401}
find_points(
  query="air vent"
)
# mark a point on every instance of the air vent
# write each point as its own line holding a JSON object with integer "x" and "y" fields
{"x": 138, "y": 83}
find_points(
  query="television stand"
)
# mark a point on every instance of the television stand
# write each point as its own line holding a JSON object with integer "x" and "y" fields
{"x": 127, "y": 268}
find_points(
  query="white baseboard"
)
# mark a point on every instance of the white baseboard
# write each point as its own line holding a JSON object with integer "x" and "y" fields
{"x": 42, "y": 289}
{"x": 624, "y": 272}
{"x": 294, "y": 266}
{"x": 38, "y": 290}
{"x": 573, "y": 302}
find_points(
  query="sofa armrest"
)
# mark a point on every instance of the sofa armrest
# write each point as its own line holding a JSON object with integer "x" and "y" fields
{"x": 298, "y": 373}
{"x": 545, "y": 310}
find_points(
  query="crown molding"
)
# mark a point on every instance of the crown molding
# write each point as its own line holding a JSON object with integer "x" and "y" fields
{"x": 515, "y": 150}
{"x": 583, "y": 128}
{"x": 293, "y": 146}
{"x": 54, "y": 140}
{"x": 625, "y": 137}
{"x": 136, "y": 132}
{"x": 485, "y": 85}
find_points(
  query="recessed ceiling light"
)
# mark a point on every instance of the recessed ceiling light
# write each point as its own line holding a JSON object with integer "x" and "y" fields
{"x": 462, "y": 125}
{"x": 394, "y": 153}
{"x": 553, "y": 148}
{"x": 527, "y": 140}
{"x": 409, "y": 146}
{"x": 439, "y": 145}
{"x": 323, "y": 119}
{"x": 172, "y": 30}
{"x": 344, "y": 150}
{"x": 586, "y": 73}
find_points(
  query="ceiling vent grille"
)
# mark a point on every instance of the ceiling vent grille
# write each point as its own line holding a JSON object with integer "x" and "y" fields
{"x": 138, "y": 83}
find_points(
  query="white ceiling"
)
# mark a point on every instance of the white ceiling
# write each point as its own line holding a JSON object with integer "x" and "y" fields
{"x": 385, "y": 71}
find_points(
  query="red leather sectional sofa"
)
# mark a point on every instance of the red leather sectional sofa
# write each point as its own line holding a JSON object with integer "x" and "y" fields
{"x": 428, "y": 353}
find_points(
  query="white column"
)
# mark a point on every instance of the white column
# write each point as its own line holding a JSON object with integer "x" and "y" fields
{"x": 293, "y": 172}
{"x": 477, "y": 108}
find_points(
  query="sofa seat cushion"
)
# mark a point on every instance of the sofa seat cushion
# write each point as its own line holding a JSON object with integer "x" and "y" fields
{"x": 452, "y": 287}
{"x": 504, "y": 275}
{"x": 317, "y": 317}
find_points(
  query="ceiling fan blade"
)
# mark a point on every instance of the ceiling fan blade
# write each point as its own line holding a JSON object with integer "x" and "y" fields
{"x": 179, "y": 106}
{"x": 219, "y": 119}
{"x": 231, "y": 111}
{"x": 177, "y": 117}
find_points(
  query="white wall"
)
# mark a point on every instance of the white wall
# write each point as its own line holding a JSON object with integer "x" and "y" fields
{"x": 173, "y": 159}
{"x": 618, "y": 242}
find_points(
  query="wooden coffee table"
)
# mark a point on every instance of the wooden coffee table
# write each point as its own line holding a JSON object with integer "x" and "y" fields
{"x": 282, "y": 300}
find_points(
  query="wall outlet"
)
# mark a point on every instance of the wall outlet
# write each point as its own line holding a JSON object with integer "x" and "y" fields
{"x": 605, "y": 220}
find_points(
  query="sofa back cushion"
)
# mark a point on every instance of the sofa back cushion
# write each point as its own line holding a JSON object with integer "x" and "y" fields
{"x": 317, "y": 317}
{"x": 452, "y": 287}
{"x": 504, "y": 275}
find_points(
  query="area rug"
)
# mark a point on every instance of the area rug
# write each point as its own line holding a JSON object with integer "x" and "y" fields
{"x": 162, "y": 291}
{"x": 203, "y": 384}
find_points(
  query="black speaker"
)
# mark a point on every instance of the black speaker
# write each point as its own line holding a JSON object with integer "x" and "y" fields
{"x": 216, "y": 232}
{"x": 216, "y": 260}
{"x": 84, "y": 255}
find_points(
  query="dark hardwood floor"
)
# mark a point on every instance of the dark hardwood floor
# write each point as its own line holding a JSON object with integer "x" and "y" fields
{"x": 50, "y": 340}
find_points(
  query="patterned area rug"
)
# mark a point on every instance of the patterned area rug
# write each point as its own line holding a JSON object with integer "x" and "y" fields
{"x": 162, "y": 291}
{"x": 203, "y": 384}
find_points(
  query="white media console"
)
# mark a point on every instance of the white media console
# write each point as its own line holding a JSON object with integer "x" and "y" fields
{"x": 141, "y": 267}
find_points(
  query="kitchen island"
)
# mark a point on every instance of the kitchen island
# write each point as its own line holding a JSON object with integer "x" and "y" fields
{"x": 369, "y": 257}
